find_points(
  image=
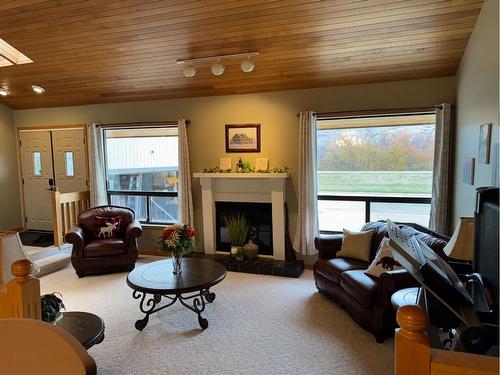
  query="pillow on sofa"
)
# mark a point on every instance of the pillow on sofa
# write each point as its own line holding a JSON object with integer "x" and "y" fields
{"x": 106, "y": 227}
{"x": 384, "y": 261}
{"x": 356, "y": 245}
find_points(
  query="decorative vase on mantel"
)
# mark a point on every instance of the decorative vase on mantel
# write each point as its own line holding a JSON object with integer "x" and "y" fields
{"x": 179, "y": 240}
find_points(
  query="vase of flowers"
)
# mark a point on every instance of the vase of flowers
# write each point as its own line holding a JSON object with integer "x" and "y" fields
{"x": 179, "y": 240}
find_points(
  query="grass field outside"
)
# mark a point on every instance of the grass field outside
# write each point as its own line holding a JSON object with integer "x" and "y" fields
{"x": 399, "y": 183}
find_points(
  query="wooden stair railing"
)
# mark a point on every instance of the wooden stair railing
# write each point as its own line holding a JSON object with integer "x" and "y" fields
{"x": 65, "y": 210}
{"x": 414, "y": 356}
{"x": 21, "y": 298}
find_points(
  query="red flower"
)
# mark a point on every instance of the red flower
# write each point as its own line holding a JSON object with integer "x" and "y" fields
{"x": 189, "y": 232}
{"x": 166, "y": 233}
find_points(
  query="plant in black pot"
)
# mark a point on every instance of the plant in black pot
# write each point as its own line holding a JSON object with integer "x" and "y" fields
{"x": 237, "y": 228}
{"x": 51, "y": 307}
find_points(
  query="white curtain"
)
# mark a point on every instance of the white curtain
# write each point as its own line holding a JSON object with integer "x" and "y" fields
{"x": 307, "y": 219}
{"x": 441, "y": 178}
{"x": 97, "y": 177}
{"x": 184, "y": 186}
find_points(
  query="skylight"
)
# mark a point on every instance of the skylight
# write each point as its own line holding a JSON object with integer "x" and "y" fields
{"x": 9, "y": 55}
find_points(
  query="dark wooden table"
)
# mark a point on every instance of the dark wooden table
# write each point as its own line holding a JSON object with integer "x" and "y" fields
{"x": 87, "y": 328}
{"x": 155, "y": 281}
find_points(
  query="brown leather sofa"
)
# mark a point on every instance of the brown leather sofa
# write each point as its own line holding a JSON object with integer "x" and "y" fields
{"x": 104, "y": 255}
{"x": 366, "y": 298}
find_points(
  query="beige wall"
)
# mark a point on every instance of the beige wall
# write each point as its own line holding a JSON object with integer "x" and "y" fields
{"x": 477, "y": 103}
{"x": 276, "y": 112}
{"x": 10, "y": 209}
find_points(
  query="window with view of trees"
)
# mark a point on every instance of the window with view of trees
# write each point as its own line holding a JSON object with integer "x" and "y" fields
{"x": 141, "y": 171}
{"x": 374, "y": 168}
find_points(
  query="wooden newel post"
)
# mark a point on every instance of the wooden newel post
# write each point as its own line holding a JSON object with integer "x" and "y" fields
{"x": 412, "y": 352}
{"x": 24, "y": 291}
{"x": 57, "y": 217}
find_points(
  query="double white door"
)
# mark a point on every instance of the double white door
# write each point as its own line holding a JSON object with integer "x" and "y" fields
{"x": 50, "y": 159}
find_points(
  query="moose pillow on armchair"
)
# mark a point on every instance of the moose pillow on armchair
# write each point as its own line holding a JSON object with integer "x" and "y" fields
{"x": 106, "y": 227}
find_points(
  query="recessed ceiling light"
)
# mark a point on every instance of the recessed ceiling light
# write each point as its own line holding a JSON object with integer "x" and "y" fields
{"x": 189, "y": 71}
{"x": 3, "y": 92}
{"x": 38, "y": 89}
{"x": 218, "y": 68}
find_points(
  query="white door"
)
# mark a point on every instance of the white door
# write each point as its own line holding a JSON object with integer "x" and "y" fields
{"x": 70, "y": 160}
{"x": 52, "y": 158}
{"x": 36, "y": 159}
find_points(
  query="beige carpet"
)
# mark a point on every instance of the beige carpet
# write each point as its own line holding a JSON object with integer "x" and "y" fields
{"x": 257, "y": 325}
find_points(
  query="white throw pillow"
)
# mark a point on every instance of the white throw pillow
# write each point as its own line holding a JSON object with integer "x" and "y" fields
{"x": 356, "y": 245}
{"x": 384, "y": 261}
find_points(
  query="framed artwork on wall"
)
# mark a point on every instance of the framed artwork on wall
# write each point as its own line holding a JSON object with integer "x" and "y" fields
{"x": 484, "y": 144}
{"x": 469, "y": 166}
{"x": 243, "y": 138}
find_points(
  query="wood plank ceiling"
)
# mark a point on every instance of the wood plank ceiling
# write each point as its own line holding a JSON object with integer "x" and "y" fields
{"x": 99, "y": 51}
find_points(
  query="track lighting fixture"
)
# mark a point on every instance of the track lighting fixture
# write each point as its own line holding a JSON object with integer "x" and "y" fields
{"x": 247, "y": 65}
{"x": 218, "y": 67}
{"x": 3, "y": 92}
{"x": 189, "y": 71}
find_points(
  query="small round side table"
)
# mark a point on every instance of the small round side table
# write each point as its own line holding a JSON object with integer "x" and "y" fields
{"x": 87, "y": 328}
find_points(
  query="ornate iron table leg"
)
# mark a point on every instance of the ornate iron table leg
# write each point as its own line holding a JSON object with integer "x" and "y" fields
{"x": 199, "y": 305}
{"x": 148, "y": 306}
{"x": 209, "y": 296}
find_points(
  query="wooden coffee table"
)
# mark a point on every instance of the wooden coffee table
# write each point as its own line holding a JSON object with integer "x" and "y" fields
{"x": 155, "y": 281}
{"x": 87, "y": 328}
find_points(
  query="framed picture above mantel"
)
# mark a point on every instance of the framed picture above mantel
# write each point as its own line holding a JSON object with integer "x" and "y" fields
{"x": 242, "y": 138}
{"x": 484, "y": 143}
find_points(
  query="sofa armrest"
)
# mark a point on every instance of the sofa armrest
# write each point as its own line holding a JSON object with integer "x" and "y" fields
{"x": 391, "y": 281}
{"x": 76, "y": 236}
{"x": 328, "y": 245}
{"x": 133, "y": 231}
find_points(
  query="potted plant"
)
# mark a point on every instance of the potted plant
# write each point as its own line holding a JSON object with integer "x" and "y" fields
{"x": 179, "y": 240}
{"x": 51, "y": 308}
{"x": 237, "y": 227}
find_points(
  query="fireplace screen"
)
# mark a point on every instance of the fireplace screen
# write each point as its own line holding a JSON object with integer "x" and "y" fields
{"x": 259, "y": 216}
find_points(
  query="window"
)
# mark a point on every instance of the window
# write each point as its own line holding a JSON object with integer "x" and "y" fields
{"x": 69, "y": 165}
{"x": 37, "y": 163}
{"x": 141, "y": 171}
{"x": 374, "y": 168}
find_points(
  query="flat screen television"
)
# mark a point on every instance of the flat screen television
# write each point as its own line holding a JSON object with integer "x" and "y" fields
{"x": 486, "y": 244}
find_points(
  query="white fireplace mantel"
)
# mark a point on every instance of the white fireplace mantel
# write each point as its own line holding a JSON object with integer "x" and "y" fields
{"x": 244, "y": 187}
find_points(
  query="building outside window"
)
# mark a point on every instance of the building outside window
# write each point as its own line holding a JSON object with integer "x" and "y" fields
{"x": 374, "y": 168}
{"x": 141, "y": 170}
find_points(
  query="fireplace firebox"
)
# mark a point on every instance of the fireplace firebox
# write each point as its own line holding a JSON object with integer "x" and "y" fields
{"x": 259, "y": 216}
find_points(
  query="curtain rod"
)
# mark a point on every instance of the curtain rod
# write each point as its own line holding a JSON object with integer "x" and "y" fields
{"x": 147, "y": 123}
{"x": 372, "y": 112}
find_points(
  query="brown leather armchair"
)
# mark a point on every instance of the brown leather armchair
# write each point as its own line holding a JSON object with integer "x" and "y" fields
{"x": 92, "y": 254}
{"x": 366, "y": 298}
